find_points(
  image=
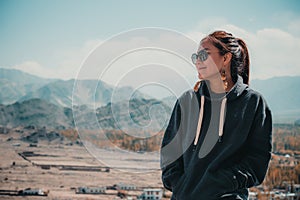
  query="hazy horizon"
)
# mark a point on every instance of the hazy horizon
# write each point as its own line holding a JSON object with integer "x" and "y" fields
{"x": 53, "y": 39}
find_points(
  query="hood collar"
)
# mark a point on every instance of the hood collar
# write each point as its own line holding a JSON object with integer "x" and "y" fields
{"x": 235, "y": 91}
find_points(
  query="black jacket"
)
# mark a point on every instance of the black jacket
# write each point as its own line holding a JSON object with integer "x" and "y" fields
{"x": 225, "y": 160}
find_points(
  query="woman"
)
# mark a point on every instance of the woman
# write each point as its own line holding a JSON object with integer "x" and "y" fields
{"x": 218, "y": 141}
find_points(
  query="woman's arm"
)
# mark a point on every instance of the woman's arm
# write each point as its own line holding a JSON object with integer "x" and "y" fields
{"x": 172, "y": 167}
{"x": 259, "y": 147}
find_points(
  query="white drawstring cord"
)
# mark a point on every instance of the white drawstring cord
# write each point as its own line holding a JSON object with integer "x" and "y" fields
{"x": 222, "y": 118}
{"x": 199, "y": 120}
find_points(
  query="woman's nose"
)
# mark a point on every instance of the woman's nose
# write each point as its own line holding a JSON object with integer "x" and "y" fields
{"x": 198, "y": 62}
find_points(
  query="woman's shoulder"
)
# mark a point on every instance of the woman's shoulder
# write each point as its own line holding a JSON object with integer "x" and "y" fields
{"x": 187, "y": 99}
{"x": 255, "y": 95}
{"x": 187, "y": 95}
{"x": 253, "y": 92}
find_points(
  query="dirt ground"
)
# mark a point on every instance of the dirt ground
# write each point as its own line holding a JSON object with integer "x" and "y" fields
{"x": 17, "y": 173}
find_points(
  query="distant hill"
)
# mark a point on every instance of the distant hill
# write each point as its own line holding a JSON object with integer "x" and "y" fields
{"x": 87, "y": 92}
{"x": 282, "y": 96}
{"x": 14, "y": 84}
{"x": 20, "y": 77}
{"x": 35, "y": 112}
{"x": 60, "y": 93}
{"x": 18, "y": 86}
{"x": 40, "y": 113}
{"x": 138, "y": 114}
{"x": 170, "y": 101}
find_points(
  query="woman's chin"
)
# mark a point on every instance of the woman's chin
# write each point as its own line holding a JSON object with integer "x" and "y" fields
{"x": 201, "y": 77}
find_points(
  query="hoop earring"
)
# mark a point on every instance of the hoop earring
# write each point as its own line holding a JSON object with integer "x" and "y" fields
{"x": 224, "y": 79}
{"x": 197, "y": 85}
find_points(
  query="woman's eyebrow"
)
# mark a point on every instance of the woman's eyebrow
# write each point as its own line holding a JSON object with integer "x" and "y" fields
{"x": 206, "y": 49}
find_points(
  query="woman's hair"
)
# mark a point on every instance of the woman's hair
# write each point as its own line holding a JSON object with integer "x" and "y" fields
{"x": 240, "y": 61}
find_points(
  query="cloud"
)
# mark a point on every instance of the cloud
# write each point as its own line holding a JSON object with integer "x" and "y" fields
{"x": 71, "y": 60}
{"x": 67, "y": 68}
{"x": 35, "y": 68}
{"x": 144, "y": 58}
{"x": 273, "y": 52}
{"x": 204, "y": 27}
{"x": 294, "y": 27}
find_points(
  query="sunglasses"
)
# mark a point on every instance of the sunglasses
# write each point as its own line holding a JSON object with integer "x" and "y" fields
{"x": 202, "y": 55}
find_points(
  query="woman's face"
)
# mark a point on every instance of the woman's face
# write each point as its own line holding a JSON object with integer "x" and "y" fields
{"x": 211, "y": 67}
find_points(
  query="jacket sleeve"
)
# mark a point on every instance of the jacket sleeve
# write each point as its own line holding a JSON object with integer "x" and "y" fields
{"x": 251, "y": 169}
{"x": 172, "y": 168}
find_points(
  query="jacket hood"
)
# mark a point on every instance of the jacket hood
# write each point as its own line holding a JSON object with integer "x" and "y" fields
{"x": 235, "y": 92}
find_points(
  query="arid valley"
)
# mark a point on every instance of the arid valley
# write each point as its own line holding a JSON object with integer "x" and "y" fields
{"x": 60, "y": 168}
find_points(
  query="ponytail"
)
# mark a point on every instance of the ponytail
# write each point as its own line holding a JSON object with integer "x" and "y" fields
{"x": 244, "y": 69}
{"x": 240, "y": 62}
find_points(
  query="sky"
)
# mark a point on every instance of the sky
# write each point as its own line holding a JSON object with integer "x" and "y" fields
{"x": 54, "y": 38}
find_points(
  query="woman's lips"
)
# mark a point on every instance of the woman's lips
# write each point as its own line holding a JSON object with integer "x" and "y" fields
{"x": 202, "y": 67}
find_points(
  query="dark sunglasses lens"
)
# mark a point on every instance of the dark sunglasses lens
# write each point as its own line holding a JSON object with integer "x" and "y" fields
{"x": 194, "y": 58}
{"x": 203, "y": 55}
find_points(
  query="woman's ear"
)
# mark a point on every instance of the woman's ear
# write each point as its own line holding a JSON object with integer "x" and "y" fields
{"x": 227, "y": 58}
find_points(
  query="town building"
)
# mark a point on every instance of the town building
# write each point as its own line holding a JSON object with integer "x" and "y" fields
{"x": 29, "y": 191}
{"x": 123, "y": 186}
{"x": 151, "y": 194}
{"x": 91, "y": 190}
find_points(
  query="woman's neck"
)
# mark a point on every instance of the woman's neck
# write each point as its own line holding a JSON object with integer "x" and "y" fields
{"x": 217, "y": 85}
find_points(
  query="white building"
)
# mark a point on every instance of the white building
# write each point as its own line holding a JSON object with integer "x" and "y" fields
{"x": 151, "y": 194}
{"x": 91, "y": 190}
{"x": 123, "y": 186}
{"x": 29, "y": 191}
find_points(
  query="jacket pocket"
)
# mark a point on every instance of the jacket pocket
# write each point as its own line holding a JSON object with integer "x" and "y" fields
{"x": 230, "y": 182}
{"x": 178, "y": 186}
{"x": 170, "y": 180}
{"x": 238, "y": 178}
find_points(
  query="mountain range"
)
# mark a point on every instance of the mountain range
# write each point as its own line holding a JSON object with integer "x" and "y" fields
{"x": 19, "y": 89}
{"x": 36, "y": 112}
{"x": 282, "y": 96}
{"x": 18, "y": 86}
{"x": 135, "y": 116}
